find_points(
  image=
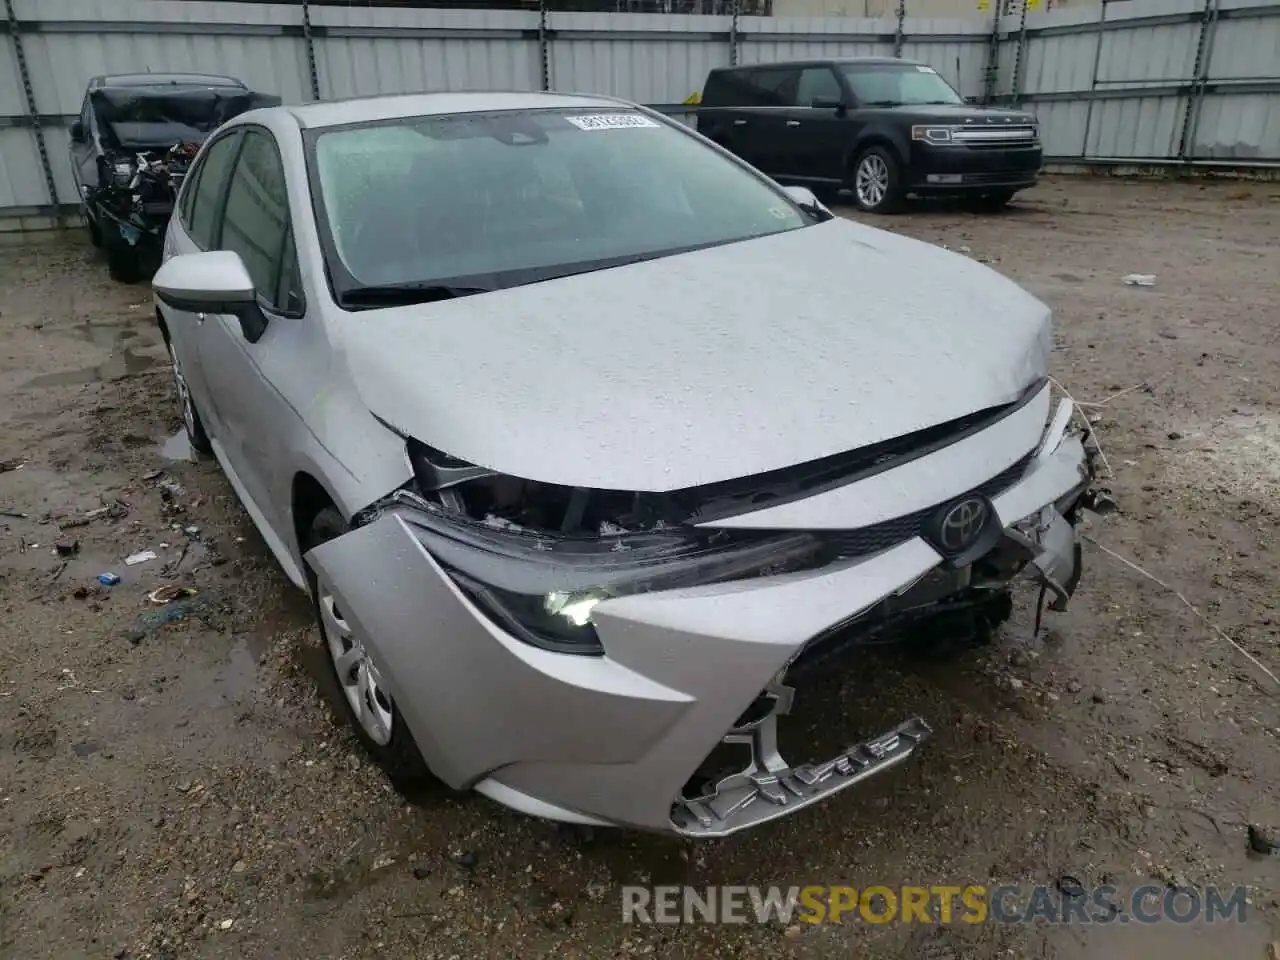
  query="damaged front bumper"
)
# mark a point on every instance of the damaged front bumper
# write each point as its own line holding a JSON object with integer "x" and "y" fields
{"x": 616, "y": 739}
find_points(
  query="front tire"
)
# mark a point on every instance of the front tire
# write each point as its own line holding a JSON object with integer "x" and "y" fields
{"x": 191, "y": 421}
{"x": 877, "y": 181}
{"x": 124, "y": 261}
{"x": 367, "y": 705}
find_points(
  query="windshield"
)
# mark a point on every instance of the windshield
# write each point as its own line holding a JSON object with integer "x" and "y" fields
{"x": 894, "y": 84}
{"x": 477, "y": 201}
{"x": 149, "y": 118}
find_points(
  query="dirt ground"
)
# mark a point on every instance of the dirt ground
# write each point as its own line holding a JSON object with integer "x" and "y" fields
{"x": 183, "y": 788}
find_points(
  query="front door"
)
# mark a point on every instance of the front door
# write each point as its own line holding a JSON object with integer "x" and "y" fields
{"x": 816, "y": 129}
{"x": 244, "y": 378}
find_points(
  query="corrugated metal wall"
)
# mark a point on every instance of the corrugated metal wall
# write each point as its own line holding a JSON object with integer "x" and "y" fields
{"x": 1143, "y": 80}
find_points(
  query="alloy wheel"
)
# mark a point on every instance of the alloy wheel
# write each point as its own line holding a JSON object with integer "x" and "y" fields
{"x": 184, "y": 395}
{"x": 871, "y": 183}
{"x": 360, "y": 680}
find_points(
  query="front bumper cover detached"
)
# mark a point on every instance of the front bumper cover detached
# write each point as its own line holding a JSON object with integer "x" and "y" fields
{"x": 614, "y": 739}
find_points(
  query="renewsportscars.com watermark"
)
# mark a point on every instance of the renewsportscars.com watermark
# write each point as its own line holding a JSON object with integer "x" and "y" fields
{"x": 971, "y": 904}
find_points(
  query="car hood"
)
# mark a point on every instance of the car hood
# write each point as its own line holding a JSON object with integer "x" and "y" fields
{"x": 704, "y": 366}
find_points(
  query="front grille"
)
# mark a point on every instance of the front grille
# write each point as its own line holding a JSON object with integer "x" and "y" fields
{"x": 890, "y": 533}
{"x": 1018, "y": 143}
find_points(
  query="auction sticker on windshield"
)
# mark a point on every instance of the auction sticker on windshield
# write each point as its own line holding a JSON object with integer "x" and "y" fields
{"x": 610, "y": 121}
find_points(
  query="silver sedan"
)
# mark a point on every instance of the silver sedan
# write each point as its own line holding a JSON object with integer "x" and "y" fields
{"x": 587, "y": 440}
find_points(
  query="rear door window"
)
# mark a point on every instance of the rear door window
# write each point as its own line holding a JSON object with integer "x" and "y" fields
{"x": 775, "y": 86}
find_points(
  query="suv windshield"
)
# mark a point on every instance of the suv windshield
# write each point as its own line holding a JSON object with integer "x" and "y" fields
{"x": 457, "y": 204}
{"x": 898, "y": 84}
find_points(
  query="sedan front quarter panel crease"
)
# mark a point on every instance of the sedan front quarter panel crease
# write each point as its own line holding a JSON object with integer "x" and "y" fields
{"x": 571, "y": 526}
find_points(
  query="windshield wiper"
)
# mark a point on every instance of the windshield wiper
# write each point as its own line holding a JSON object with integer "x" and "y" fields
{"x": 403, "y": 294}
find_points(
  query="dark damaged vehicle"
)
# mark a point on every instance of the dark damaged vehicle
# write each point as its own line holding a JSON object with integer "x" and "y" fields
{"x": 589, "y": 442}
{"x": 130, "y": 149}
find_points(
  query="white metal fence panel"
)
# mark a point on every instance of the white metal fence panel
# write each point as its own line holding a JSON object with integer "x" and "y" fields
{"x": 366, "y": 50}
{"x": 650, "y": 58}
{"x": 1173, "y": 81}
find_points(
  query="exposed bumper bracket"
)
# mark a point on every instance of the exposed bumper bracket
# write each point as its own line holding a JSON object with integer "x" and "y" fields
{"x": 769, "y": 789}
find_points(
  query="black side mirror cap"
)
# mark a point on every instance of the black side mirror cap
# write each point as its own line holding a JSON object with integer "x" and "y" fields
{"x": 253, "y": 321}
{"x": 77, "y": 131}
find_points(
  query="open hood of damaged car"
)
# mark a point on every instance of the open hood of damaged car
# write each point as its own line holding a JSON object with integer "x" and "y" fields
{"x": 704, "y": 366}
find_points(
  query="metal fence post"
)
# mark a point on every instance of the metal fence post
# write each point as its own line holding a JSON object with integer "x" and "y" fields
{"x": 991, "y": 72}
{"x": 544, "y": 45}
{"x": 1093, "y": 84}
{"x": 733, "y": 33}
{"x": 1199, "y": 79}
{"x": 311, "y": 51}
{"x": 1018, "y": 57}
{"x": 32, "y": 113}
{"x": 898, "y": 35}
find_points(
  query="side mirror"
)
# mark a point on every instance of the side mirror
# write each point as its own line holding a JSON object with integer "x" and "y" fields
{"x": 805, "y": 198}
{"x": 212, "y": 282}
{"x": 77, "y": 131}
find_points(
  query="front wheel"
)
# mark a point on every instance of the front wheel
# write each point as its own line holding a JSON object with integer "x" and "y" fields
{"x": 124, "y": 260}
{"x": 367, "y": 704}
{"x": 190, "y": 415}
{"x": 877, "y": 181}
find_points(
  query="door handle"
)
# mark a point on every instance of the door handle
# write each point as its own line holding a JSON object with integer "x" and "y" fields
{"x": 739, "y": 123}
{"x": 793, "y": 123}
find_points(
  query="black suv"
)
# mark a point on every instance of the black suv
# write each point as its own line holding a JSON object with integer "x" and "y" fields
{"x": 130, "y": 148}
{"x": 879, "y": 127}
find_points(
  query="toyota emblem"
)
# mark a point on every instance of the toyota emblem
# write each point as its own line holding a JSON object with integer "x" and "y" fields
{"x": 962, "y": 524}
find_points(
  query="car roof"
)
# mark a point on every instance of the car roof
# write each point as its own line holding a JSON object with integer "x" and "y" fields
{"x": 824, "y": 62}
{"x": 164, "y": 80}
{"x": 329, "y": 113}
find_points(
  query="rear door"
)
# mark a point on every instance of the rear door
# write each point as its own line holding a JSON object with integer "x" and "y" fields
{"x": 814, "y": 130}
{"x": 774, "y": 92}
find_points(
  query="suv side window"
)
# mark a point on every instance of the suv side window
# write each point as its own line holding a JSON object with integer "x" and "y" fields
{"x": 774, "y": 86}
{"x": 817, "y": 83}
{"x": 256, "y": 223}
{"x": 205, "y": 188}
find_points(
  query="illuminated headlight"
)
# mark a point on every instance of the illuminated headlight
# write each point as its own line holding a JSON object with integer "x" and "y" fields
{"x": 928, "y": 134}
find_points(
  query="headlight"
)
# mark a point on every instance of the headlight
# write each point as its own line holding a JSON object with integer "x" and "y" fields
{"x": 541, "y": 584}
{"x": 543, "y": 589}
{"x": 930, "y": 134}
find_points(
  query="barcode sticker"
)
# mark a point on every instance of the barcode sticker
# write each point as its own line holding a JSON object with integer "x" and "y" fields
{"x": 610, "y": 121}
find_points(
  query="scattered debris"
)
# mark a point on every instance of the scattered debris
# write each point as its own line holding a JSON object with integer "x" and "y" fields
{"x": 117, "y": 510}
{"x": 1261, "y": 841}
{"x": 421, "y": 872}
{"x": 108, "y": 579}
{"x": 141, "y": 556}
{"x": 153, "y": 475}
{"x": 151, "y": 621}
{"x": 64, "y": 549}
{"x": 169, "y": 593}
{"x": 7, "y": 465}
{"x": 1070, "y": 887}
{"x": 1141, "y": 279}
{"x": 14, "y": 514}
{"x": 467, "y": 859}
